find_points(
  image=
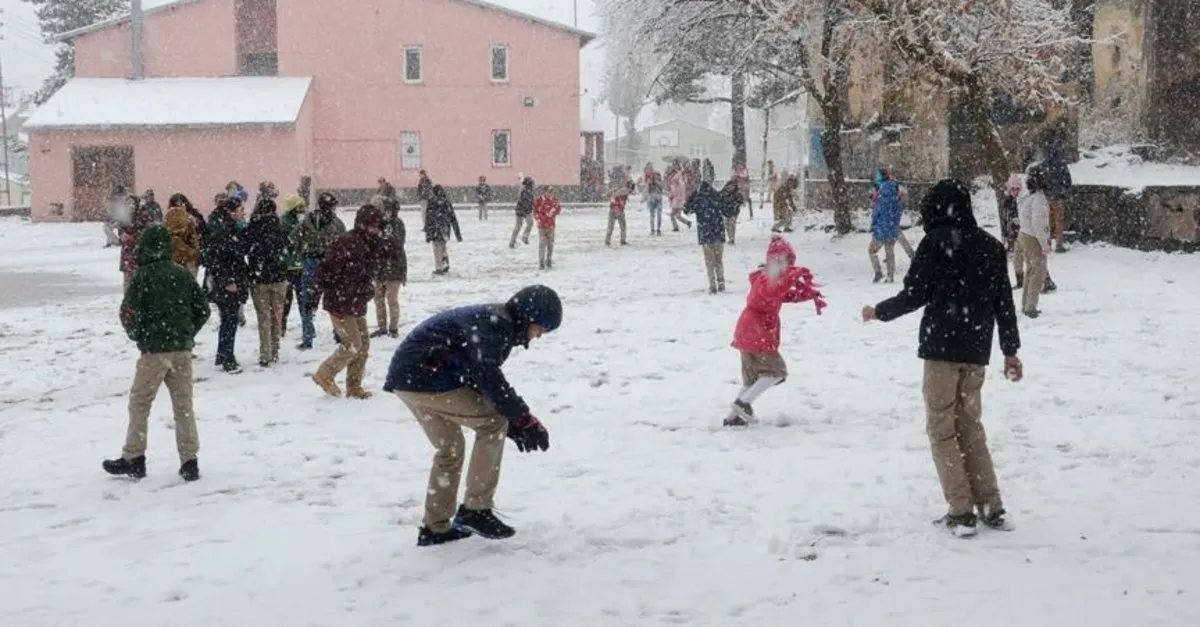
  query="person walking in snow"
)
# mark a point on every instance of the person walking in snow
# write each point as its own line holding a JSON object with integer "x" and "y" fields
{"x": 757, "y": 333}
{"x": 1033, "y": 240}
{"x": 440, "y": 221}
{"x": 317, "y": 232}
{"x": 960, "y": 277}
{"x": 185, "y": 236}
{"x": 887, "y": 208}
{"x": 731, "y": 199}
{"x": 447, "y": 372}
{"x": 393, "y": 268}
{"x": 483, "y": 197}
{"x": 524, "y": 213}
{"x": 677, "y": 194}
{"x": 163, "y": 310}
{"x": 131, "y": 233}
{"x": 293, "y": 215}
{"x": 1058, "y": 179}
{"x": 267, "y": 251}
{"x": 783, "y": 202}
{"x": 228, "y": 277}
{"x": 545, "y": 210}
{"x": 711, "y": 211}
{"x": 345, "y": 278}
{"x": 153, "y": 210}
{"x": 618, "y": 200}
{"x": 653, "y": 182}
{"x": 424, "y": 190}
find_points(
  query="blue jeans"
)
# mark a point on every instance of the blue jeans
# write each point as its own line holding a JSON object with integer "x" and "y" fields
{"x": 227, "y": 332}
{"x": 307, "y": 306}
{"x": 655, "y": 204}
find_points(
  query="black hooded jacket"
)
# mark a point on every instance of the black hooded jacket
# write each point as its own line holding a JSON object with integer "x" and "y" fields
{"x": 960, "y": 276}
{"x": 266, "y": 245}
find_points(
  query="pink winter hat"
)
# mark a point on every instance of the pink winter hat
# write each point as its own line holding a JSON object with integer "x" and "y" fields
{"x": 780, "y": 247}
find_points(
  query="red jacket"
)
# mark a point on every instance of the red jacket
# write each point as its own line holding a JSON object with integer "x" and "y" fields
{"x": 759, "y": 325}
{"x": 617, "y": 205}
{"x": 545, "y": 211}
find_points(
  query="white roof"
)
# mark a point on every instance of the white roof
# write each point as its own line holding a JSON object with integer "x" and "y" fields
{"x": 192, "y": 102}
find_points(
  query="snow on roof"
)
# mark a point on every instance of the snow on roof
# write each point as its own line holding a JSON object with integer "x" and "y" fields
{"x": 220, "y": 101}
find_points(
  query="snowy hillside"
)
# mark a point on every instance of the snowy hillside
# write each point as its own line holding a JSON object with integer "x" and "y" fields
{"x": 644, "y": 511}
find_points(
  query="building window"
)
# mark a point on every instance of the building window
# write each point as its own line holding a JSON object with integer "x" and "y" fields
{"x": 664, "y": 138}
{"x": 413, "y": 70}
{"x": 499, "y": 64}
{"x": 699, "y": 151}
{"x": 501, "y": 149}
{"x": 410, "y": 150}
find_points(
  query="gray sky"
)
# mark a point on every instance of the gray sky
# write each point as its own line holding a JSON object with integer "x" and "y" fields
{"x": 27, "y": 60}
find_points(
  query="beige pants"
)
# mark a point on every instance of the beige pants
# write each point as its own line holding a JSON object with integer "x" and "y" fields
{"x": 443, "y": 416}
{"x": 1033, "y": 260}
{"x": 1058, "y": 220}
{"x": 731, "y": 229}
{"x": 889, "y": 254}
{"x": 352, "y": 352}
{"x": 613, "y": 220}
{"x": 268, "y": 304}
{"x": 387, "y": 305}
{"x": 783, "y": 218}
{"x": 154, "y": 369}
{"x": 714, "y": 265}
{"x": 441, "y": 256}
{"x": 954, "y": 412}
{"x": 527, "y": 222}
{"x": 758, "y": 365}
{"x": 545, "y": 247}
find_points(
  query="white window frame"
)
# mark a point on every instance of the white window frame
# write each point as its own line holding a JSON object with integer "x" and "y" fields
{"x": 507, "y": 133}
{"x": 404, "y": 135}
{"x": 492, "y": 63}
{"x": 420, "y": 65}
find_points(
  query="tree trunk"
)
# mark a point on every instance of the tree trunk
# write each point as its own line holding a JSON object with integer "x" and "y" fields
{"x": 831, "y": 149}
{"x": 762, "y": 200}
{"x": 738, "y": 118}
{"x": 978, "y": 107}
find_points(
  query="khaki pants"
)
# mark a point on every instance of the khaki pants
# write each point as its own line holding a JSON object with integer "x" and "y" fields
{"x": 268, "y": 304}
{"x": 443, "y": 416}
{"x": 783, "y": 218}
{"x": 154, "y": 369}
{"x": 387, "y": 305}
{"x": 954, "y": 411}
{"x": 545, "y": 247}
{"x": 441, "y": 257}
{"x": 731, "y": 229}
{"x": 352, "y": 351}
{"x": 889, "y": 253}
{"x": 1033, "y": 267}
{"x": 613, "y": 220}
{"x": 527, "y": 222}
{"x": 714, "y": 265}
{"x": 1058, "y": 220}
{"x": 758, "y": 365}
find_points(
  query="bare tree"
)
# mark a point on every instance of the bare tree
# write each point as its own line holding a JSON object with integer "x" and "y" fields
{"x": 628, "y": 71}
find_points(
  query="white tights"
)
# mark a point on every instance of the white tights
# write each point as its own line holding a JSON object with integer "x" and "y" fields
{"x": 751, "y": 394}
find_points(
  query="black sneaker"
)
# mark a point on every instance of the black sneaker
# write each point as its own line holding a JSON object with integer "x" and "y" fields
{"x": 394, "y": 333}
{"x": 1049, "y": 287}
{"x": 263, "y": 363}
{"x": 961, "y": 526}
{"x": 190, "y": 470}
{"x": 122, "y": 467}
{"x": 425, "y": 537}
{"x": 740, "y": 415}
{"x": 378, "y": 333}
{"x": 483, "y": 523}
{"x": 232, "y": 367}
{"x": 1020, "y": 284}
{"x": 995, "y": 518}
{"x": 878, "y": 277}
{"x": 304, "y": 346}
{"x": 1033, "y": 314}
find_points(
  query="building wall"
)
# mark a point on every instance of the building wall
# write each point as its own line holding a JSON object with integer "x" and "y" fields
{"x": 363, "y": 105}
{"x": 196, "y": 162}
{"x": 1119, "y": 62}
{"x": 187, "y": 40}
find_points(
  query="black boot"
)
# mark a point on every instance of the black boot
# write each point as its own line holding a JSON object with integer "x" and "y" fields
{"x": 122, "y": 467}
{"x": 961, "y": 526}
{"x": 1020, "y": 284}
{"x": 1049, "y": 287}
{"x": 393, "y": 333}
{"x": 483, "y": 523}
{"x": 995, "y": 518}
{"x": 425, "y": 537}
{"x": 190, "y": 470}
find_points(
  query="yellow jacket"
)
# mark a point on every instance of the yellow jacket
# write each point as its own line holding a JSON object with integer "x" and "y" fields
{"x": 185, "y": 240}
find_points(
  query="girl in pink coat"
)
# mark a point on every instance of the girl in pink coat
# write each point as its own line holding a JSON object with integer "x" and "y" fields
{"x": 777, "y": 282}
{"x": 677, "y": 194}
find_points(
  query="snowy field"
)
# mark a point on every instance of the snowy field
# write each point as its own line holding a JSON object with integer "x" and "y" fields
{"x": 644, "y": 511}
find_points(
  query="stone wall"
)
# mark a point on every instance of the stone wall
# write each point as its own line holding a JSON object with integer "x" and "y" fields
{"x": 1157, "y": 218}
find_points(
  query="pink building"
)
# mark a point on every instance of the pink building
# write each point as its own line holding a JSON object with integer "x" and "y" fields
{"x": 343, "y": 92}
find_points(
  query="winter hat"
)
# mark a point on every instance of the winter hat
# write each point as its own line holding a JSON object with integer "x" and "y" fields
{"x": 241, "y": 196}
{"x": 536, "y": 304}
{"x": 293, "y": 202}
{"x": 265, "y": 206}
{"x": 153, "y": 245}
{"x": 327, "y": 202}
{"x": 948, "y": 204}
{"x": 267, "y": 188}
{"x": 368, "y": 216}
{"x": 780, "y": 248}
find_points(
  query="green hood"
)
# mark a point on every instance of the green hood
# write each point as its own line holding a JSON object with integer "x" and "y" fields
{"x": 154, "y": 245}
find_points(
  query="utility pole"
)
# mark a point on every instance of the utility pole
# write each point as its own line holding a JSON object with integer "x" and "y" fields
{"x": 4, "y": 126}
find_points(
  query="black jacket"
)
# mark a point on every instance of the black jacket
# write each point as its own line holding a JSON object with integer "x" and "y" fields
{"x": 960, "y": 276}
{"x": 440, "y": 220}
{"x": 525, "y": 201}
{"x": 225, "y": 260}
{"x": 266, "y": 247}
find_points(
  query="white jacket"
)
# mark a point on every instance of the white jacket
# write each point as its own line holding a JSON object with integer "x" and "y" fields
{"x": 1033, "y": 212}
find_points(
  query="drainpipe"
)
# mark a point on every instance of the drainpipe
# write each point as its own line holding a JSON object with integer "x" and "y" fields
{"x": 135, "y": 21}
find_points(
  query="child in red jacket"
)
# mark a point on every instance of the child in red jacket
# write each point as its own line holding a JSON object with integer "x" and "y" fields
{"x": 616, "y": 212}
{"x": 545, "y": 210}
{"x": 777, "y": 282}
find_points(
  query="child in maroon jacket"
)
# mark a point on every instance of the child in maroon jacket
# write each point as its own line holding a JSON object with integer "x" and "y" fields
{"x": 777, "y": 282}
{"x": 545, "y": 211}
{"x": 616, "y": 212}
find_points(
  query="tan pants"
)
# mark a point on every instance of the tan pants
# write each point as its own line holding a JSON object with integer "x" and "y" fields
{"x": 352, "y": 351}
{"x": 268, "y": 304}
{"x": 1033, "y": 258}
{"x": 1058, "y": 220}
{"x": 889, "y": 254}
{"x": 545, "y": 247}
{"x": 758, "y": 365}
{"x": 714, "y": 265}
{"x": 443, "y": 416}
{"x": 613, "y": 220}
{"x": 527, "y": 222}
{"x": 783, "y": 218}
{"x": 387, "y": 305}
{"x": 731, "y": 229}
{"x": 441, "y": 256}
{"x": 154, "y": 369}
{"x": 954, "y": 411}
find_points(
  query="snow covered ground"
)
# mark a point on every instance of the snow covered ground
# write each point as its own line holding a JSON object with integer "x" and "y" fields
{"x": 644, "y": 511}
{"x": 1117, "y": 166}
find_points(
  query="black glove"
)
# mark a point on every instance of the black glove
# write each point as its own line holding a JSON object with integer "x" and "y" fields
{"x": 528, "y": 434}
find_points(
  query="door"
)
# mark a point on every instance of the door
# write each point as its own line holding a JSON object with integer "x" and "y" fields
{"x": 98, "y": 172}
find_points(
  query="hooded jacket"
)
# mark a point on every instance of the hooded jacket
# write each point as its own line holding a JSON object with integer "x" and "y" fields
{"x": 440, "y": 219}
{"x": 346, "y": 277}
{"x": 318, "y": 230}
{"x": 164, "y": 307}
{"x": 711, "y": 209}
{"x": 467, "y": 346}
{"x": 887, "y": 210}
{"x": 525, "y": 200}
{"x": 185, "y": 236}
{"x": 393, "y": 261}
{"x": 226, "y": 258}
{"x": 267, "y": 246}
{"x": 960, "y": 276}
{"x": 759, "y": 326}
